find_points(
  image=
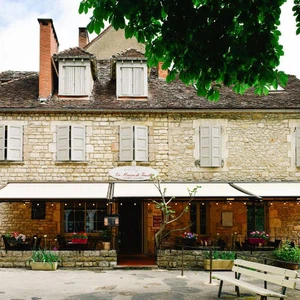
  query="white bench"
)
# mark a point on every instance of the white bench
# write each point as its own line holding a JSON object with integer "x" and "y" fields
{"x": 275, "y": 275}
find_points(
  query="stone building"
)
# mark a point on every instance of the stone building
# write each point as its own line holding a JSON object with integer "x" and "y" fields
{"x": 80, "y": 139}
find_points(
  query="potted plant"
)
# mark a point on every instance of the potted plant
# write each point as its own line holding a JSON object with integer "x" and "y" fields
{"x": 44, "y": 260}
{"x": 288, "y": 256}
{"x": 106, "y": 236}
{"x": 189, "y": 238}
{"x": 79, "y": 238}
{"x": 258, "y": 237}
{"x": 221, "y": 260}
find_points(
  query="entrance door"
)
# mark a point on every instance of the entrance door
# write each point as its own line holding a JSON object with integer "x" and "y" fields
{"x": 130, "y": 226}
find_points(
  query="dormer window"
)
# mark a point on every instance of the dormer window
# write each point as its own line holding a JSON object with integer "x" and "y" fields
{"x": 132, "y": 79}
{"x": 75, "y": 78}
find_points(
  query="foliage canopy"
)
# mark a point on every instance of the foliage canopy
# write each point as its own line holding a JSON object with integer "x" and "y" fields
{"x": 205, "y": 42}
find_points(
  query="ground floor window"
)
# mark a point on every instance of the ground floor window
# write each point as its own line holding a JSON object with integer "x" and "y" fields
{"x": 255, "y": 218}
{"x": 84, "y": 216}
{"x": 198, "y": 217}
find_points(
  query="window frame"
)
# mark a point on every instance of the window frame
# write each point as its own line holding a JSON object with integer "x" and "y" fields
{"x": 130, "y": 84}
{"x": 11, "y": 142}
{"x": 131, "y": 143}
{"x": 66, "y": 147}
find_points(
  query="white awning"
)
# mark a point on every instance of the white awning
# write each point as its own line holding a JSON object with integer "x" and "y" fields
{"x": 206, "y": 190}
{"x": 54, "y": 191}
{"x": 271, "y": 189}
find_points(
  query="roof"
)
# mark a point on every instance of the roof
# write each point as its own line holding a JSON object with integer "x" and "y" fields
{"x": 21, "y": 93}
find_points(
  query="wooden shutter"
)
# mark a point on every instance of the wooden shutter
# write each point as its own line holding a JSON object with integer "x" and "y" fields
{"x": 297, "y": 146}
{"x": 78, "y": 143}
{"x": 126, "y": 81}
{"x": 210, "y": 146}
{"x": 63, "y": 136}
{"x": 141, "y": 143}
{"x": 216, "y": 155}
{"x": 205, "y": 146}
{"x": 126, "y": 143}
{"x": 14, "y": 142}
{"x": 138, "y": 81}
{"x": 80, "y": 81}
{"x": 68, "y": 80}
{"x": 2, "y": 142}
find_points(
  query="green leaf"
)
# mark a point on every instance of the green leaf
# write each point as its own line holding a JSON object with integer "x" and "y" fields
{"x": 81, "y": 8}
{"x": 283, "y": 79}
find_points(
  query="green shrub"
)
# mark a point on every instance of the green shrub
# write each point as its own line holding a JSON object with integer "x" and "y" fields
{"x": 44, "y": 256}
{"x": 220, "y": 254}
{"x": 288, "y": 253}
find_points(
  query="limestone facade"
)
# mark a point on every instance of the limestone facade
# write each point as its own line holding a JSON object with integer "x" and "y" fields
{"x": 256, "y": 147}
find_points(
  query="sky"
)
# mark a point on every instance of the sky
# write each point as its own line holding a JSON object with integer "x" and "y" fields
{"x": 19, "y": 32}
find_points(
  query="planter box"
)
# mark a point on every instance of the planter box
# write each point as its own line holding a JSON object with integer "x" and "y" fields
{"x": 256, "y": 241}
{"x": 287, "y": 265}
{"x": 218, "y": 264}
{"x": 79, "y": 241}
{"x": 44, "y": 266}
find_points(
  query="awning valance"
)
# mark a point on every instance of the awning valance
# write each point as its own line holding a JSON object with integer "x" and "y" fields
{"x": 271, "y": 189}
{"x": 54, "y": 191}
{"x": 148, "y": 189}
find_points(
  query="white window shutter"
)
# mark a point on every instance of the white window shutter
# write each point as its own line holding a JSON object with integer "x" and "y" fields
{"x": 205, "y": 146}
{"x": 138, "y": 81}
{"x": 62, "y": 142}
{"x": 2, "y": 142}
{"x": 126, "y": 81}
{"x": 298, "y": 146}
{"x": 80, "y": 81}
{"x": 68, "y": 81}
{"x": 78, "y": 143}
{"x": 126, "y": 143}
{"x": 14, "y": 143}
{"x": 141, "y": 143}
{"x": 216, "y": 153}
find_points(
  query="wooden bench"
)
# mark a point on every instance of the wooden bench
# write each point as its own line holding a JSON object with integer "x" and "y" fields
{"x": 266, "y": 273}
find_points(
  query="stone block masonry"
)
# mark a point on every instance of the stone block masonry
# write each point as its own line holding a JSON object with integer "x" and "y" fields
{"x": 100, "y": 259}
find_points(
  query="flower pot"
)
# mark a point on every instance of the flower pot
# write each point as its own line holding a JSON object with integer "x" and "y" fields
{"x": 218, "y": 264}
{"x": 44, "y": 266}
{"x": 189, "y": 242}
{"x": 106, "y": 245}
{"x": 288, "y": 265}
{"x": 79, "y": 241}
{"x": 256, "y": 241}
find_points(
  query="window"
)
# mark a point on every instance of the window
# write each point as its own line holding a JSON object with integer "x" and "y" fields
{"x": 297, "y": 143}
{"x": 84, "y": 216}
{"x": 210, "y": 146}
{"x": 11, "y": 142}
{"x": 70, "y": 143}
{"x": 255, "y": 218}
{"x": 198, "y": 212}
{"x": 132, "y": 79}
{"x": 75, "y": 78}
{"x": 133, "y": 143}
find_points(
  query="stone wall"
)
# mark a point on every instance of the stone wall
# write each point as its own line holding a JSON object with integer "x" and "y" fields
{"x": 193, "y": 259}
{"x": 102, "y": 259}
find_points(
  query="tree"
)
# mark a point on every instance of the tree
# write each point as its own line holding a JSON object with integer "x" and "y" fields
{"x": 205, "y": 42}
{"x": 168, "y": 214}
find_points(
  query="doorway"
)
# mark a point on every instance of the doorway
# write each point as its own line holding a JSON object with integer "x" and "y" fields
{"x": 130, "y": 226}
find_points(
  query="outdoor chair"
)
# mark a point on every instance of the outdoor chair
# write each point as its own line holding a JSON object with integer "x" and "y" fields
{"x": 62, "y": 245}
{"x": 35, "y": 243}
{"x": 7, "y": 245}
{"x": 92, "y": 242}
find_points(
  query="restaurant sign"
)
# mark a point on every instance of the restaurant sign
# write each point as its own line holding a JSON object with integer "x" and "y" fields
{"x": 133, "y": 173}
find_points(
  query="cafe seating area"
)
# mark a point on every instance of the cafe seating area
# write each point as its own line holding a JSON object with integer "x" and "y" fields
{"x": 65, "y": 244}
{"x": 11, "y": 243}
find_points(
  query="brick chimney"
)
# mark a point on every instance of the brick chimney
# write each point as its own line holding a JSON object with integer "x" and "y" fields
{"x": 161, "y": 73}
{"x": 48, "y": 46}
{"x": 83, "y": 38}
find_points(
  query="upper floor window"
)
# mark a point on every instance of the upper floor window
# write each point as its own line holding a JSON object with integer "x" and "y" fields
{"x": 133, "y": 143}
{"x": 11, "y": 142}
{"x": 131, "y": 79}
{"x": 210, "y": 146}
{"x": 70, "y": 143}
{"x": 75, "y": 78}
